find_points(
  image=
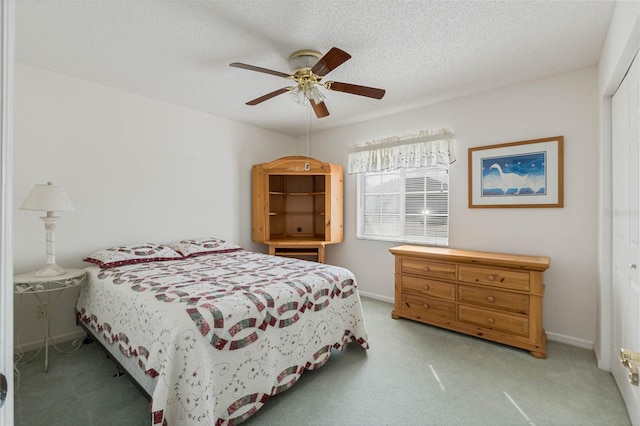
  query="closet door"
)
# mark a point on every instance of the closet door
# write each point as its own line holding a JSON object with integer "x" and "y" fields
{"x": 626, "y": 232}
{"x": 6, "y": 183}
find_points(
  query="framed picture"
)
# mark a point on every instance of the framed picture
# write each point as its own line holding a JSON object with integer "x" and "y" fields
{"x": 517, "y": 174}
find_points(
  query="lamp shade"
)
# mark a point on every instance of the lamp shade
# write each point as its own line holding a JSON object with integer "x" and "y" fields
{"x": 47, "y": 198}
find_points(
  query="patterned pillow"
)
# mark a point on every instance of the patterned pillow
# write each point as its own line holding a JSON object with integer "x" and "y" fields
{"x": 132, "y": 253}
{"x": 202, "y": 246}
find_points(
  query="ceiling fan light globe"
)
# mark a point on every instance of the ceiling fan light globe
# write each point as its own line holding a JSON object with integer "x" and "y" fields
{"x": 315, "y": 94}
{"x": 298, "y": 96}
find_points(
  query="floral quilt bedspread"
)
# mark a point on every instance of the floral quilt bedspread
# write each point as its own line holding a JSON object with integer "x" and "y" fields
{"x": 223, "y": 332}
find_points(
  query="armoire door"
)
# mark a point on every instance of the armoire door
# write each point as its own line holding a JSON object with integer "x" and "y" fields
{"x": 626, "y": 234}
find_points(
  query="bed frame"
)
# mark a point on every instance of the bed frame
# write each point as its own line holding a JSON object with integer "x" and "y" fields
{"x": 124, "y": 365}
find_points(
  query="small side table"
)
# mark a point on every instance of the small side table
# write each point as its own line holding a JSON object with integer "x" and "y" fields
{"x": 29, "y": 283}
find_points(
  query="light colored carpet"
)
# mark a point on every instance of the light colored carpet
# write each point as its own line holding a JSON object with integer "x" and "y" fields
{"x": 413, "y": 374}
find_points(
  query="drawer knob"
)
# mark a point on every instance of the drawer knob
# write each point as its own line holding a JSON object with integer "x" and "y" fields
{"x": 426, "y": 306}
{"x": 491, "y": 299}
{"x": 426, "y": 269}
{"x": 490, "y": 320}
{"x": 425, "y": 287}
{"x": 491, "y": 277}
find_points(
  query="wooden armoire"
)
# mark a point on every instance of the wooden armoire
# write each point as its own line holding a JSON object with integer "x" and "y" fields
{"x": 297, "y": 206}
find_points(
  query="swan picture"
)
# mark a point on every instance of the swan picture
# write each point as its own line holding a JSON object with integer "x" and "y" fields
{"x": 514, "y": 175}
{"x": 517, "y": 174}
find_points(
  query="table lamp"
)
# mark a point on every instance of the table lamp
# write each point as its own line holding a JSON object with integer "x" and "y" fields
{"x": 48, "y": 198}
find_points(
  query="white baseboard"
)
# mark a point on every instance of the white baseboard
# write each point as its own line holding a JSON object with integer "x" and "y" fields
{"x": 602, "y": 363}
{"x": 31, "y": 346}
{"x": 376, "y": 297}
{"x": 573, "y": 341}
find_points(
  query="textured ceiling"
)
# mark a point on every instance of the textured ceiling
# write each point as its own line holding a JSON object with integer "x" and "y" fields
{"x": 421, "y": 52}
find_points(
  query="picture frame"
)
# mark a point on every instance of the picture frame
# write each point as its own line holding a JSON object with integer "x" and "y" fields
{"x": 517, "y": 174}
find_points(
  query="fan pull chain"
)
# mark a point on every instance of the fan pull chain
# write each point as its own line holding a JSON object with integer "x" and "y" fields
{"x": 307, "y": 166}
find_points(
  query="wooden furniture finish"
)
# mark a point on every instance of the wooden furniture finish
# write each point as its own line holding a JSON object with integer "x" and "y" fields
{"x": 297, "y": 206}
{"x": 494, "y": 296}
{"x": 299, "y": 249}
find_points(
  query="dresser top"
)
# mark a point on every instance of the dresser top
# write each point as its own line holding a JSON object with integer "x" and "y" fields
{"x": 537, "y": 263}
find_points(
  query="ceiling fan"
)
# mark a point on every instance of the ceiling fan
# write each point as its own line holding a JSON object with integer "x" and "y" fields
{"x": 309, "y": 67}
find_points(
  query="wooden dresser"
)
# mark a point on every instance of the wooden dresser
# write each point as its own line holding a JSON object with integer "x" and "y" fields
{"x": 494, "y": 296}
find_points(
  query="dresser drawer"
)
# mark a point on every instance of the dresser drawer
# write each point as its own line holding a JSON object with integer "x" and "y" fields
{"x": 503, "y": 300}
{"x": 428, "y": 287}
{"x": 494, "y": 320}
{"x": 493, "y": 296}
{"x": 429, "y": 305}
{"x": 496, "y": 277}
{"x": 428, "y": 269}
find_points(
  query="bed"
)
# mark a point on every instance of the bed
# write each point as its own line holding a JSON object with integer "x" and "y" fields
{"x": 209, "y": 330}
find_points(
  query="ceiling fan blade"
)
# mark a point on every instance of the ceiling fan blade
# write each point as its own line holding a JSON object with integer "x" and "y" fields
{"x": 330, "y": 61}
{"x": 355, "y": 89}
{"x": 268, "y": 96}
{"x": 320, "y": 109}
{"x": 259, "y": 69}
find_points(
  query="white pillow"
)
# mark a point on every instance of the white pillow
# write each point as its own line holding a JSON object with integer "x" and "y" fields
{"x": 202, "y": 246}
{"x": 131, "y": 254}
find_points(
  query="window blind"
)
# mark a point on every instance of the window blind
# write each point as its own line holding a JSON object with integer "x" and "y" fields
{"x": 406, "y": 205}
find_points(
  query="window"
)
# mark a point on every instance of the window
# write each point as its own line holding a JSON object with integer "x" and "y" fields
{"x": 403, "y": 187}
{"x": 405, "y": 205}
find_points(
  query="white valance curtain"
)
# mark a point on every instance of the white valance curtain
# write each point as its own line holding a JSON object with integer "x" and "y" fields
{"x": 424, "y": 149}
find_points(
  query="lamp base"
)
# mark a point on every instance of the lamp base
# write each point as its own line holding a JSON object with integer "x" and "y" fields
{"x": 50, "y": 270}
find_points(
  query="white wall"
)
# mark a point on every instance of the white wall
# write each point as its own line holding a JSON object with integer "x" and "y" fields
{"x": 139, "y": 169}
{"x": 136, "y": 170}
{"x": 562, "y": 105}
{"x": 621, "y": 45}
